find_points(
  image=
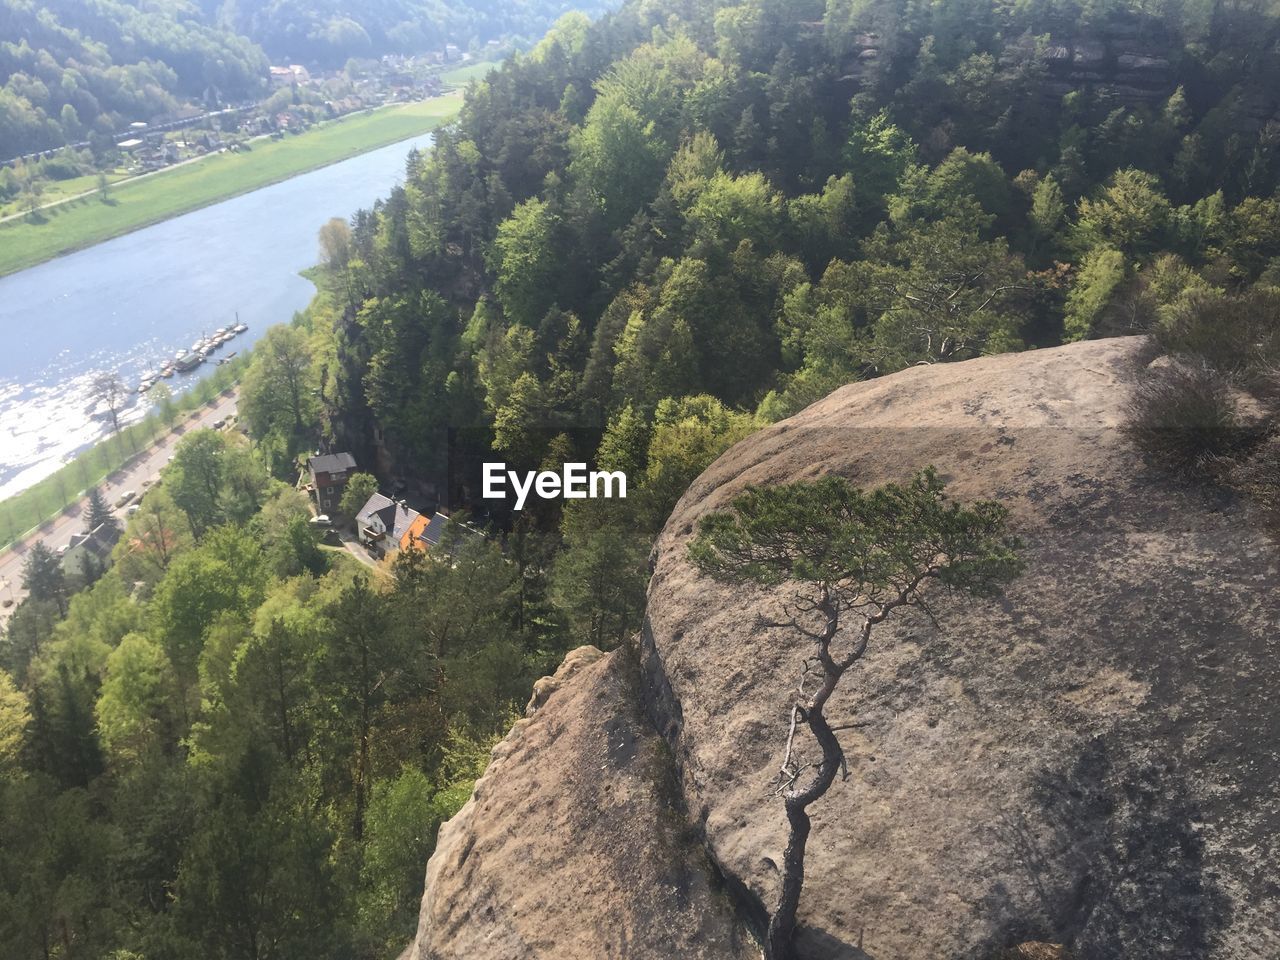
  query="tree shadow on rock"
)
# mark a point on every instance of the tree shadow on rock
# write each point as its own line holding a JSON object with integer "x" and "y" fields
{"x": 814, "y": 944}
{"x": 1110, "y": 854}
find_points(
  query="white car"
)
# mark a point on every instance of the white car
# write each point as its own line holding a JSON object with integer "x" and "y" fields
{"x": 322, "y": 521}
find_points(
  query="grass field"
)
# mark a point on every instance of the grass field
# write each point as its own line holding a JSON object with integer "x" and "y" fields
{"x": 56, "y": 190}
{"x": 147, "y": 200}
{"x": 472, "y": 71}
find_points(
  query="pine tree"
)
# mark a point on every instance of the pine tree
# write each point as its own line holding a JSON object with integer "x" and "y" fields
{"x": 42, "y": 576}
{"x": 99, "y": 512}
{"x": 855, "y": 560}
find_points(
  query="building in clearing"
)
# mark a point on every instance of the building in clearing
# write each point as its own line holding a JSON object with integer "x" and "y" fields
{"x": 426, "y": 534}
{"x": 383, "y": 524}
{"x": 88, "y": 553}
{"x": 288, "y": 76}
{"x": 329, "y": 475}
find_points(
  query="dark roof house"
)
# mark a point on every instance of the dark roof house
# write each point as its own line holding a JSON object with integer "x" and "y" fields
{"x": 434, "y": 530}
{"x": 93, "y": 547}
{"x": 329, "y": 475}
{"x": 427, "y": 534}
{"x": 332, "y": 463}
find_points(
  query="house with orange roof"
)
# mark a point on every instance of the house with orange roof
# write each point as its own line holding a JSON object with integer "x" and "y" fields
{"x": 415, "y": 531}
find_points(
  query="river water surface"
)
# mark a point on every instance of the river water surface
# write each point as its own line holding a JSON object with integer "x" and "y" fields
{"x": 127, "y": 305}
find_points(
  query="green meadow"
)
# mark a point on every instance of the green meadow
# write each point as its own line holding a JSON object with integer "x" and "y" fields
{"x": 462, "y": 76}
{"x": 146, "y": 200}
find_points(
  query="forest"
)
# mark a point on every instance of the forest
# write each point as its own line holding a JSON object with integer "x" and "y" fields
{"x": 642, "y": 240}
{"x": 72, "y": 71}
{"x": 329, "y": 32}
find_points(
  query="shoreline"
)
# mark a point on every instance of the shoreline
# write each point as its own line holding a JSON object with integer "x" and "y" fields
{"x": 20, "y": 263}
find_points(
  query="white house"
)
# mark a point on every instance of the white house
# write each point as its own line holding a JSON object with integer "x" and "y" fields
{"x": 383, "y": 522}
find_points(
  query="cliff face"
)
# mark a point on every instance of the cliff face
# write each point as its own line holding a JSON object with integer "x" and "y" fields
{"x": 1090, "y": 759}
{"x": 573, "y": 845}
{"x": 1125, "y": 61}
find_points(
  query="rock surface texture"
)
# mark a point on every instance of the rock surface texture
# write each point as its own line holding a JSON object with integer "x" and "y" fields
{"x": 573, "y": 845}
{"x": 1089, "y": 760}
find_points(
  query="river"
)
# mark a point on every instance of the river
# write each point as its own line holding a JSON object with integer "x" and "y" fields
{"x": 128, "y": 304}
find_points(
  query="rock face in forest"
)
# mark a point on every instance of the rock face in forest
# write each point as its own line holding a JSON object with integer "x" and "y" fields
{"x": 574, "y": 845}
{"x": 1126, "y": 60}
{"x": 1090, "y": 759}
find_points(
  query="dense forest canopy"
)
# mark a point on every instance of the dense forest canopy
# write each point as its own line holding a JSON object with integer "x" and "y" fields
{"x": 331, "y": 31}
{"x": 73, "y": 68}
{"x": 760, "y": 201}
{"x": 640, "y": 242}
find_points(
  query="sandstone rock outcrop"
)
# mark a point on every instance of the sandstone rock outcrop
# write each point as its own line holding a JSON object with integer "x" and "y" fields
{"x": 573, "y": 845}
{"x": 1089, "y": 761}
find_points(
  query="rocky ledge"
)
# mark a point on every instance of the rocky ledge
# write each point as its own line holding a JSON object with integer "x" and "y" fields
{"x": 1089, "y": 760}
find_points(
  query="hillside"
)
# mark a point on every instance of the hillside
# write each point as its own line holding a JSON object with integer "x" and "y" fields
{"x": 1087, "y": 762}
{"x": 329, "y": 32}
{"x": 72, "y": 69}
{"x": 761, "y": 202}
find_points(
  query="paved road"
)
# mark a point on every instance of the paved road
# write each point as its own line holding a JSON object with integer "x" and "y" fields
{"x": 145, "y": 467}
{"x": 357, "y": 549}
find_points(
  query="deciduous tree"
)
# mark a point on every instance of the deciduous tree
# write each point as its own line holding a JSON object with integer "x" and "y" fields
{"x": 110, "y": 390}
{"x": 360, "y": 487}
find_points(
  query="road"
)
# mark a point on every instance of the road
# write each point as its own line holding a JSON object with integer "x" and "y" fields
{"x": 358, "y": 550}
{"x": 146, "y": 467}
{"x": 123, "y": 182}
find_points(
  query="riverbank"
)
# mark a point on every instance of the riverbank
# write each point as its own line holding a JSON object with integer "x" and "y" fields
{"x": 23, "y": 513}
{"x": 148, "y": 200}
